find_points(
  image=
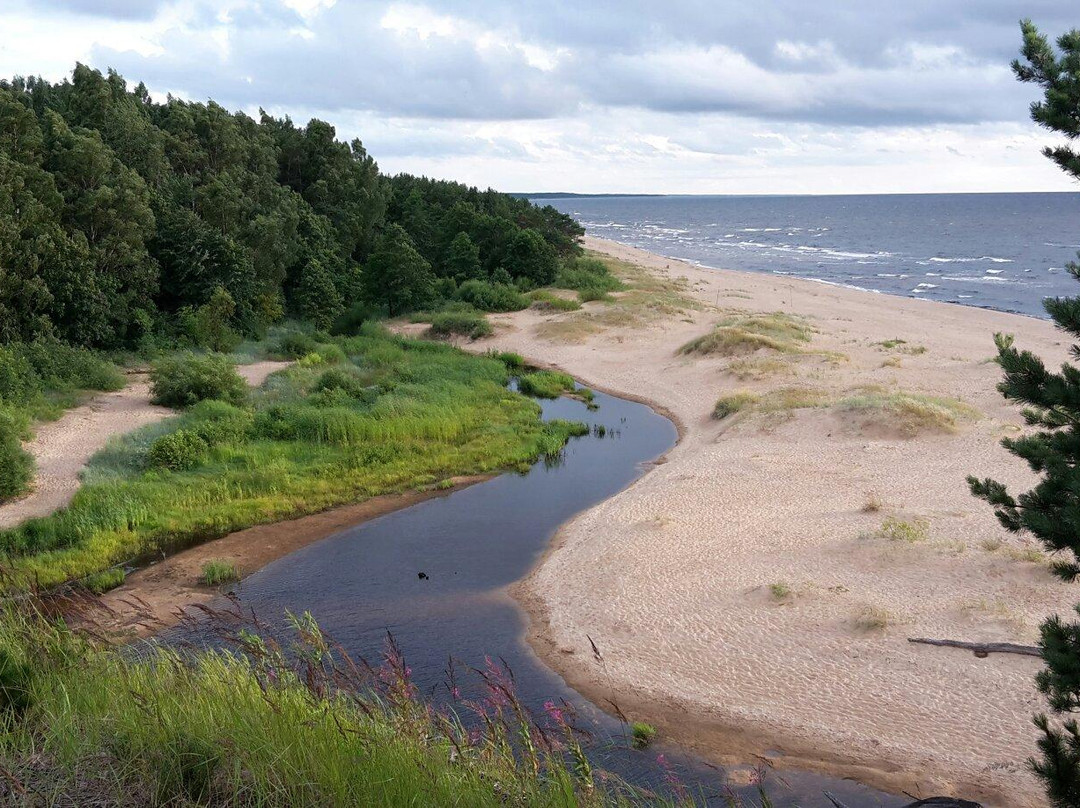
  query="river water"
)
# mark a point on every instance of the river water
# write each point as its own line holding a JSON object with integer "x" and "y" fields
{"x": 471, "y": 546}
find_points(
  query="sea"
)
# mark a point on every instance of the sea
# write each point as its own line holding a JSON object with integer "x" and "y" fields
{"x": 997, "y": 251}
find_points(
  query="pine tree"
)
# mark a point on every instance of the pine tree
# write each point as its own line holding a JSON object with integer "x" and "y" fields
{"x": 1051, "y": 510}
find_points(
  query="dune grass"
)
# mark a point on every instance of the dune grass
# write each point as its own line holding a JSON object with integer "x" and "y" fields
{"x": 88, "y": 724}
{"x": 781, "y": 399}
{"x": 909, "y": 414}
{"x": 747, "y": 333}
{"x": 397, "y": 415}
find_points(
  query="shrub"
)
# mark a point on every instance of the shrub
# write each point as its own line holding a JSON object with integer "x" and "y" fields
{"x": 296, "y": 344}
{"x": 642, "y": 733}
{"x": 218, "y": 571}
{"x": 348, "y": 382}
{"x": 492, "y": 296}
{"x": 187, "y": 379}
{"x": 16, "y": 465}
{"x": 546, "y": 384}
{"x": 218, "y": 422}
{"x": 101, "y": 582}
{"x": 178, "y": 451}
{"x": 352, "y": 320}
{"x": 460, "y": 323}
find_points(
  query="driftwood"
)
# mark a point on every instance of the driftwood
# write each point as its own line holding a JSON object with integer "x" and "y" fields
{"x": 982, "y": 649}
{"x": 936, "y": 802}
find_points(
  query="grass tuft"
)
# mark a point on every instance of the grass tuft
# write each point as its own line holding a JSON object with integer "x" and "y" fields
{"x": 908, "y": 414}
{"x": 218, "y": 571}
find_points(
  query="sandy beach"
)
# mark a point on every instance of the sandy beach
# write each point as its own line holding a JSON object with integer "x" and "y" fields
{"x": 755, "y": 593}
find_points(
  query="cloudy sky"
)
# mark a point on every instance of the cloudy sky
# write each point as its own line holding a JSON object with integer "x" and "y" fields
{"x": 675, "y": 96}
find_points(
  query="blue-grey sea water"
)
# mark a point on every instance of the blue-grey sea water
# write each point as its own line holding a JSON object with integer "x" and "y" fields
{"x": 997, "y": 251}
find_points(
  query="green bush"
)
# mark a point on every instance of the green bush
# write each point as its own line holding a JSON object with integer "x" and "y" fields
{"x": 218, "y": 422}
{"x": 178, "y": 451}
{"x": 460, "y": 323}
{"x": 352, "y": 320}
{"x": 187, "y": 379}
{"x": 546, "y": 384}
{"x": 350, "y": 382}
{"x": 16, "y": 465}
{"x": 295, "y": 345}
{"x": 31, "y": 369}
{"x": 492, "y": 296}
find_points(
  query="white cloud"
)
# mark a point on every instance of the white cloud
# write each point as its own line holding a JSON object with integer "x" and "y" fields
{"x": 596, "y": 95}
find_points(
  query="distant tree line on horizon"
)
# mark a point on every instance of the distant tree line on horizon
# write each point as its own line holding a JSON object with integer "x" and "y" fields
{"x": 124, "y": 220}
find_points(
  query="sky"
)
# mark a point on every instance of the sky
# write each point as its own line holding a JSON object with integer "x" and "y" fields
{"x": 621, "y": 96}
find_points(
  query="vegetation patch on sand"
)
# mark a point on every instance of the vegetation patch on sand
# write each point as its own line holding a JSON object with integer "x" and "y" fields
{"x": 893, "y": 528}
{"x": 782, "y": 399}
{"x": 218, "y": 571}
{"x": 394, "y": 415}
{"x": 907, "y": 414}
{"x": 757, "y": 368}
{"x": 744, "y": 334}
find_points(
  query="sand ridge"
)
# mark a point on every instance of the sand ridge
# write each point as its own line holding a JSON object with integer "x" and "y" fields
{"x": 744, "y": 593}
{"x": 62, "y": 448}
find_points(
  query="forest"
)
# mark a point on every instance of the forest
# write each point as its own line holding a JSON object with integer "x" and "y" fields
{"x": 127, "y": 223}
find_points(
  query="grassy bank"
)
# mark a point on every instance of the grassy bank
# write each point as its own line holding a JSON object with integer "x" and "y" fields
{"x": 85, "y": 723}
{"x": 354, "y": 417}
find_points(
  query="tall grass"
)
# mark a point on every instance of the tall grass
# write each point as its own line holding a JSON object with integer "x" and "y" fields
{"x": 405, "y": 414}
{"x": 270, "y": 727}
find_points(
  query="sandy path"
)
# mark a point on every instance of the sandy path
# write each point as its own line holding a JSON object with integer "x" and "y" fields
{"x": 62, "y": 448}
{"x": 672, "y": 578}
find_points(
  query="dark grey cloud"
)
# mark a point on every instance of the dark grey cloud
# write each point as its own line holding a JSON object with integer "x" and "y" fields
{"x": 915, "y": 62}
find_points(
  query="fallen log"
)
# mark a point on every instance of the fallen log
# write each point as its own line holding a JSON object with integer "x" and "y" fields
{"x": 982, "y": 649}
{"x": 936, "y": 802}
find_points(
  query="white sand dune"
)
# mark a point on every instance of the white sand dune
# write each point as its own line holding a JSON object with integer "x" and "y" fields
{"x": 673, "y": 577}
{"x": 62, "y": 448}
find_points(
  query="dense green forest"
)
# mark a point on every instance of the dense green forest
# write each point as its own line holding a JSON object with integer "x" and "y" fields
{"x": 125, "y": 222}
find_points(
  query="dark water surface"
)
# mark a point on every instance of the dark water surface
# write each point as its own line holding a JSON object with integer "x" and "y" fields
{"x": 474, "y": 543}
{"x": 996, "y": 251}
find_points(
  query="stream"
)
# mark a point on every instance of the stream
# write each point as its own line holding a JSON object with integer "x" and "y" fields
{"x": 471, "y": 546}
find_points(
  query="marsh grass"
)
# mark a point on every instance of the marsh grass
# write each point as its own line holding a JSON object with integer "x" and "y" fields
{"x": 419, "y": 412}
{"x": 277, "y": 727}
{"x": 546, "y": 384}
{"x": 747, "y": 333}
{"x": 218, "y": 571}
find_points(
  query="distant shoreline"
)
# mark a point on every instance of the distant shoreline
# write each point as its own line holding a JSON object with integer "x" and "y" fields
{"x": 570, "y": 194}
